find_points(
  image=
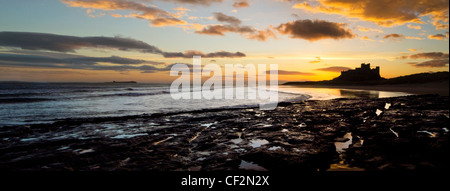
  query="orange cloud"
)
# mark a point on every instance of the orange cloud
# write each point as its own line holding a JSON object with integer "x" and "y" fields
{"x": 383, "y": 12}
{"x": 156, "y": 17}
{"x": 418, "y": 27}
{"x": 366, "y": 38}
{"x": 181, "y": 11}
{"x": 195, "y": 2}
{"x": 440, "y": 26}
{"x": 413, "y": 37}
{"x": 364, "y": 29}
{"x": 116, "y": 15}
{"x": 437, "y": 37}
{"x": 241, "y": 4}
{"x": 318, "y": 60}
{"x": 160, "y": 22}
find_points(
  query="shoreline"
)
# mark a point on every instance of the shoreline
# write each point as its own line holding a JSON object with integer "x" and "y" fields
{"x": 440, "y": 88}
{"x": 349, "y": 134}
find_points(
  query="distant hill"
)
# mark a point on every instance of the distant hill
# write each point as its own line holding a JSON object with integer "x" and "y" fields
{"x": 419, "y": 78}
{"x": 409, "y": 79}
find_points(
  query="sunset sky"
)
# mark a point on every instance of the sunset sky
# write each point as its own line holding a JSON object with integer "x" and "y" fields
{"x": 106, "y": 40}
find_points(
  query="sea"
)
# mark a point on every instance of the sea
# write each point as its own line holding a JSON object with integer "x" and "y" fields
{"x": 39, "y": 103}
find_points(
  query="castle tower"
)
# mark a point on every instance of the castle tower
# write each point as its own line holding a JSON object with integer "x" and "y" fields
{"x": 365, "y": 66}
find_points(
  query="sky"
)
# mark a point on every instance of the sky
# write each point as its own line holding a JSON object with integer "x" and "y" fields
{"x": 139, "y": 40}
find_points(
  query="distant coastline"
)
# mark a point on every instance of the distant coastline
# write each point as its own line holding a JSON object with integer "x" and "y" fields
{"x": 123, "y": 82}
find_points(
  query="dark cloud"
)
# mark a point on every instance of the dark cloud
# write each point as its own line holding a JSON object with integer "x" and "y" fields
{"x": 436, "y": 59}
{"x": 148, "y": 72}
{"x": 190, "y": 54}
{"x": 234, "y": 26}
{"x": 224, "y": 54}
{"x": 81, "y": 62}
{"x": 285, "y": 72}
{"x": 334, "y": 69}
{"x": 113, "y": 60}
{"x": 62, "y": 43}
{"x": 431, "y": 64}
{"x": 428, "y": 55}
{"x": 241, "y": 4}
{"x": 221, "y": 29}
{"x": 393, "y": 36}
{"x": 315, "y": 30}
{"x": 227, "y": 19}
{"x": 246, "y": 31}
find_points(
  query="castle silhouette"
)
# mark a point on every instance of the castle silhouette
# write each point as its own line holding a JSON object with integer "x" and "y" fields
{"x": 365, "y": 73}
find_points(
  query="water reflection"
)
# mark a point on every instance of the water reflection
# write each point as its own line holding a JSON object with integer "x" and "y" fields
{"x": 360, "y": 93}
{"x": 255, "y": 143}
{"x": 333, "y": 93}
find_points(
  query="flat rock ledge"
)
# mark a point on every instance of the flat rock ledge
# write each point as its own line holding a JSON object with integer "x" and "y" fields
{"x": 401, "y": 133}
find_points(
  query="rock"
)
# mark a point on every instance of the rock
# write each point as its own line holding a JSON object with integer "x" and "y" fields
{"x": 307, "y": 139}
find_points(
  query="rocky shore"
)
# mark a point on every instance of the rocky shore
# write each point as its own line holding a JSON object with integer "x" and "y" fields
{"x": 402, "y": 133}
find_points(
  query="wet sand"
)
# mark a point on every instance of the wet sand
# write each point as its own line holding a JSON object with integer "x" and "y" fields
{"x": 401, "y": 133}
{"x": 440, "y": 88}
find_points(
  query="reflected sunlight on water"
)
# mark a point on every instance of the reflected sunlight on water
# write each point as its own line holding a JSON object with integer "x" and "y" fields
{"x": 333, "y": 93}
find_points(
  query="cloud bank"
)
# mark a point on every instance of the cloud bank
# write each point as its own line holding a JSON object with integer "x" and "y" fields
{"x": 69, "y": 61}
{"x": 383, "y": 12}
{"x": 63, "y": 43}
{"x": 435, "y": 59}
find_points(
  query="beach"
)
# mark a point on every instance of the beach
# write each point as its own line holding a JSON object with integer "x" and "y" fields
{"x": 310, "y": 136}
{"x": 441, "y": 88}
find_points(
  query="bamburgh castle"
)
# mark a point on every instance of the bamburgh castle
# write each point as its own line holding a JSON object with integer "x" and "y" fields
{"x": 365, "y": 73}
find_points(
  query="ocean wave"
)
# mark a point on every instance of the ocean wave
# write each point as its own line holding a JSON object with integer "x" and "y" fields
{"x": 2, "y": 95}
{"x": 22, "y": 100}
{"x": 131, "y": 94}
